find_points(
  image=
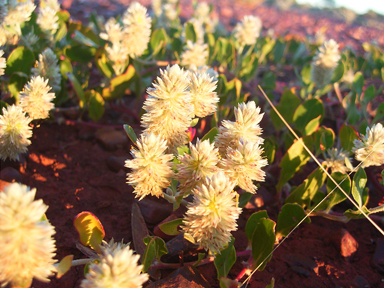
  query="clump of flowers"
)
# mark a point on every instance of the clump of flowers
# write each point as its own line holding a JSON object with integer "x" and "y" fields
{"x": 35, "y": 99}
{"x": 117, "y": 268}
{"x": 194, "y": 54}
{"x": 14, "y": 132}
{"x": 370, "y": 149}
{"x": 325, "y": 62}
{"x": 336, "y": 160}
{"x": 213, "y": 213}
{"x": 3, "y": 63}
{"x": 27, "y": 248}
{"x": 48, "y": 68}
{"x": 48, "y": 21}
{"x": 151, "y": 167}
{"x": 248, "y": 30}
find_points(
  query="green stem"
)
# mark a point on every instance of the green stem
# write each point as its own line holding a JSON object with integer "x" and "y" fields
{"x": 79, "y": 262}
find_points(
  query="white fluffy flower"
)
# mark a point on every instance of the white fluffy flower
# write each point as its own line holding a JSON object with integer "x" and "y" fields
{"x": 243, "y": 165}
{"x": 29, "y": 40}
{"x": 198, "y": 27}
{"x": 213, "y": 213}
{"x": 53, "y": 4}
{"x": 113, "y": 31}
{"x": 169, "y": 107}
{"x": 204, "y": 99}
{"x": 48, "y": 68}
{"x": 325, "y": 62}
{"x": 195, "y": 53}
{"x": 117, "y": 269}
{"x": 202, "y": 11}
{"x": 370, "y": 149}
{"x": 203, "y": 69}
{"x": 18, "y": 14}
{"x": 195, "y": 167}
{"x": 48, "y": 21}
{"x": 245, "y": 127}
{"x": 247, "y": 31}
{"x": 151, "y": 167}
{"x": 3, "y": 63}
{"x": 137, "y": 29}
{"x": 14, "y": 132}
{"x": 35, "y": 99}
{"x": 27, "y": 247}
{"x": 336, "y": 160}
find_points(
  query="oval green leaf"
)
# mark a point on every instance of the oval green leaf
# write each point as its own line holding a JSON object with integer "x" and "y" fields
{"x": 90, "y": 230}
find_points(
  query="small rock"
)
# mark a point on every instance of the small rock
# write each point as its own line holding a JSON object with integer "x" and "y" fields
{"x": 378, "y": 257}
{"x": 361, "y": 282}
{"x": 345, "y": 243}
{"x": 187, "y": 276}
{"x": 178, "y": 246}
{"x": 10, "y": 174}
{"x": 116, "y": 163}
{"x": 111, "y": 139}
{"x": 158, "y": 232}
{"x": 155, "y": 210}
{"x": 301, "y": 264}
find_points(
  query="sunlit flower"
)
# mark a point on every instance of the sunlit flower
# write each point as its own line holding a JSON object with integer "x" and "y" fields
{"x": 195, "y": 167}
{"x": 213, "y": 213}
{"x": 53, "y": 4}
{"x": 203, "y": 69}
{"x": 202, "y": 11}
{"x": 137, "y": 29}
{"x": 48, "y": 68}
{"x": 247, "y": 31}
{"x": 243, "y": 165}
{"x": 35, "y": 99}
{"x": 18, "y": 14}
{"x": 156, "y": 7}
{"x": 48, "y": 21}
{"x": 195, "y": 53}
{"x": 117, "y": 269}
{"x": 151, "y": 167}
{"x": 325, "y": 62}
{"x": 27, "y": 247}
{"x": 14, "y": 132}
{"x": 336, "y": 160}
{"x": 113, "y": 32}
{"x": 370, "y": 149}
{"x": 169, "y": 107}
{"x": 245, "y": 127}
{"x": 204, "y": 98}
{"x": 2, "y": 63}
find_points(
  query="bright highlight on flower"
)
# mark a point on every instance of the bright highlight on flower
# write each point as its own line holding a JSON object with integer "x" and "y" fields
{"x": 2, "y": 63}
{"x": 246, "y": 127}
{"x": 117, "y": 269}
{"x": 195, "y": 167}
{"x": 53, "y": 4}
{"x": 35, "y": 99}
{"x": 14, "y": 132}
{"x": 243, "y": 164}
{"x": 195, "y": 53}
{"x": 370, "y": 149}
{"x": 247, "y": 31}
{"x": 336, "y": 160}
{"x": 27, "y": 247}
{"x": 151, "y": 168}
{"x": 213, "y": 214}
{"x": 325, "y": 62}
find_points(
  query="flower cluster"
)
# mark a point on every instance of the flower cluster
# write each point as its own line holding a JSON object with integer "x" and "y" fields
{"x": 48, "y": 21}
{"x": 48, "y": 67}
{"x": 27, "y": 248}
{"x": 194, "y": 54}
{"x": 325, "y": 62}
{"x": 247, "y": 31}
{"x": 336, "y": 160}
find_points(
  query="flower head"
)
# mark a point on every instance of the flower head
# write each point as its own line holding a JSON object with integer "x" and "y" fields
{"x": 53, "y": 4}
{"x": 14, "y": 132}
{"x": 35, "y": 99}
{"x": 213, "y": 213}
{"x": 48, "y": 67}
{"x": 19, "y": 13}
{"x": 48, "y": 21}
{"x": 325, "y": 62}
{"x": 195, "y": 167}
{"x": 247, "y": 31}
{"x": 370, "y": 149}
{"x": 204, "y": 98}
{"x": 195, "y": 53}
{"x": 336, "y": 160}
{"x": 27, "y": 248}
{"x": 198, "y": 27}
{"x": 117, "y": 269}
{"x": 246, "y": 127}
{"x": 3, "y": 63}
{"x": 169, "y": 108}
{"x": 151, "y": 167}
{"x": 243, "y": 164}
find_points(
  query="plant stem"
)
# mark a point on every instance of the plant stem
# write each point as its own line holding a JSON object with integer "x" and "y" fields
{"x": 79, "y": 262}
{"x": 96, "y": 125}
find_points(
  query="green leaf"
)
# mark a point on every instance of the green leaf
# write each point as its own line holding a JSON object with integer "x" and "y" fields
{"x": 77, "y": 87}
{"x": 338, "y": 73}
{"x": 80, "y": 38}
{"x": 119, "y": 84}
{"x": 270, "y": 147}
{"x": 63, "y": 15}
{"x": 228, "y": 283}
{"x": 369, "y": 94}
{"x": 293, "y": 160}
{"x": 358, "y": 186}
{"x": 194, "y": 122}
{"x": 61, "y": 32}
{"x": 155, "y": 249}
{"x": 63, "y": 266}
{"x": 131, "y": 133}
{"x": 379, "y": 113}
{"x": 306, "y": 74}
{"x": 225, "y": 260}
{"x": 307, "y": 111}
{"x": 80, "y": 53}
{"x": 290, "y": 215}
{"x": 252, "y": 222}
{"x": 21, "y": 59}
{"x": 90, "y": 230}
{"x": 95, "y": 105}
{"x": 324, "y": 139}
{"x": 16, "y": 83}
{"x": 337, "y": 195}
{"x": 356, "y": 214}
{"x": 272, "y": 285}
{"x": 287, "y": 105}
{"x": 244, "y": 199}
{"x": 170, "y": 228}
{"x": 312, "y": 125}
{"x": 190, "y": 33}
{"x": 347, "y": 135}
{"x": 358, "y": 83}
{"x": 65, "y": 67}
{"x": 211, "y": 134}
{"x": 158, "y": 38}
{"x": 263, "y": 240}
